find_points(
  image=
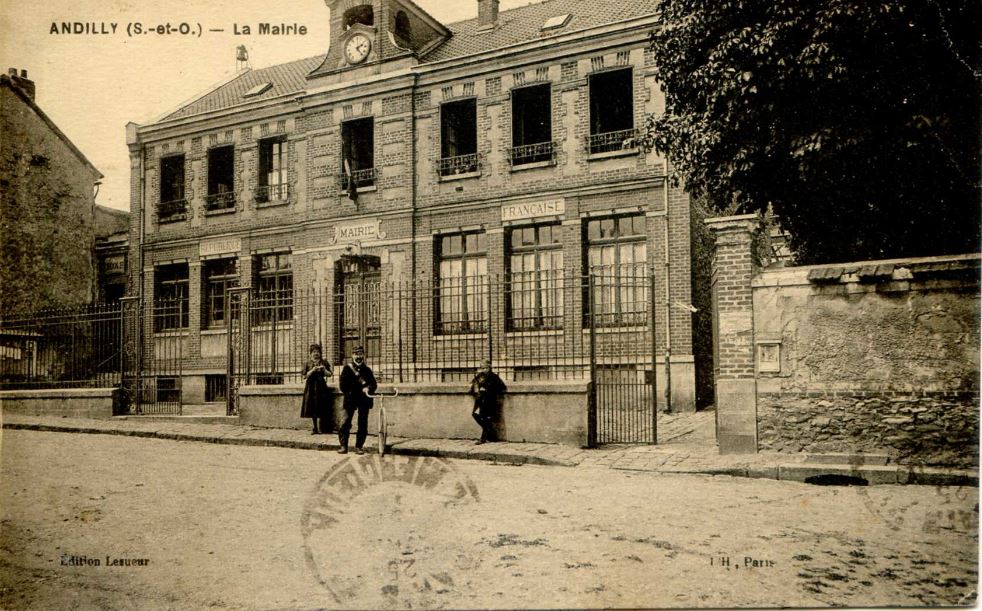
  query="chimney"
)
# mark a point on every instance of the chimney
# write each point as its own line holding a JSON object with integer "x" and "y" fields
{"x": 487, "y": 14}
{"x": 26, "y": 85}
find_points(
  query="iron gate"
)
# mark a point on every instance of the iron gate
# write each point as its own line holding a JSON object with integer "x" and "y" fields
{"x": 621, "y": 324}
{"x": 154, "y": 337}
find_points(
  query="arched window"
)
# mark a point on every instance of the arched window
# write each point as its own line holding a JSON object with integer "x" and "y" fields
{"x": 362, "y": 14}
{"x": 402, "y": 26}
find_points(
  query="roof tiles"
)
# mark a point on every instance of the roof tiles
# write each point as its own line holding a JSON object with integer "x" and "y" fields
{"x": 514, "y": 26}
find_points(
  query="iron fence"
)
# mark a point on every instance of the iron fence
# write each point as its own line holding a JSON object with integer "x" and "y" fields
{"x": 542, "y": 325}
{"x": 63, "y": 348}
{"x": 534, "y": 325}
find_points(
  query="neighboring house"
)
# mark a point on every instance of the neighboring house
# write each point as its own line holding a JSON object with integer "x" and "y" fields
{"x": 48, "y": 216}
{"x": 499, "y": 145}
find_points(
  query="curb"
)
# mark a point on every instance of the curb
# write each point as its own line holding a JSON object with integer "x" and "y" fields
{"x": 394, "y": 449}
{"x": 796, "y": 472}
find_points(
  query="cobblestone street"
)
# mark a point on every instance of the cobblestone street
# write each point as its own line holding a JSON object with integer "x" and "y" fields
{"x": 249, "y": 527}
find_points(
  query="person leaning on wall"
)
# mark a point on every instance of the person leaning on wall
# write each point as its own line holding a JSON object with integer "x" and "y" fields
{"x": 487, "y": 389}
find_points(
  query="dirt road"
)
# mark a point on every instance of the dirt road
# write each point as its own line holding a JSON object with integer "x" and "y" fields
{"x": 243, "y": 527}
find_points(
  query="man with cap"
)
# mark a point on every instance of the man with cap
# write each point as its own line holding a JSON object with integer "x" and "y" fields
{"x": 357, "y": 385}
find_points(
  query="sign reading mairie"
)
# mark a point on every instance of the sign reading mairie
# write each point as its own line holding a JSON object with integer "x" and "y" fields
{"x": 358, "y": 231}
{"x": 220, "y": 247}
{"x": 531, "y": 210}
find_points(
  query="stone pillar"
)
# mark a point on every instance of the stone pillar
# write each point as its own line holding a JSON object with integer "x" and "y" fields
{"x": 736, "y": 385}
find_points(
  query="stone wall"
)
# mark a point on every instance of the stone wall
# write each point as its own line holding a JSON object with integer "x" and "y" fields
{"x": 931, "y": 427}
{"x": 876, "y": 357}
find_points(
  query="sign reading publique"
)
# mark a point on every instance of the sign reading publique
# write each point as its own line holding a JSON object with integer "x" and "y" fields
{"x": 220, "y": 247}
{"x": 531, "y": 210}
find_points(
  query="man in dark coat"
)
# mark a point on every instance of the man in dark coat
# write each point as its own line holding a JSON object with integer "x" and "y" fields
{"x": 357, "y": 385}
{"x": 316, "y": 395}
{"x": 486, "y": 388}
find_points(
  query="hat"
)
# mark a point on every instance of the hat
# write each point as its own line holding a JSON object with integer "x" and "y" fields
{"x": 358, "y": 349}
{"x": 315, "y": 347}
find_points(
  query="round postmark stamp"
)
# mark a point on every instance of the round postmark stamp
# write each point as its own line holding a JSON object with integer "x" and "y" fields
{"x": 385, "y": 532}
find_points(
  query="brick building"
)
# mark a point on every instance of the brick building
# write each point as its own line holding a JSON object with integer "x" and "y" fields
{"x": 498, "y": 146}
{"x": 48, "y": 214}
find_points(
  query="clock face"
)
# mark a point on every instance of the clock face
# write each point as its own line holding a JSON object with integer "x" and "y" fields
{"x": 357, "y": 48}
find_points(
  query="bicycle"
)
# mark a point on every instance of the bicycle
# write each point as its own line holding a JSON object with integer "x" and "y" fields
{"x": 383, "y": 425}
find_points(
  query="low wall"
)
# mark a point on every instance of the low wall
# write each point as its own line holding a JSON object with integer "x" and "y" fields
{"x": 67, "y": 402}
{"x": 542, "y": 412}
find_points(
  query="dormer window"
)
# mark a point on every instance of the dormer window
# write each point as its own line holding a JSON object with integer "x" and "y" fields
{"x": 363, "y": 14}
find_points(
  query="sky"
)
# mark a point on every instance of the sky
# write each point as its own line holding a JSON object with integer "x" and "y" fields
{"x": 92, "y": 84}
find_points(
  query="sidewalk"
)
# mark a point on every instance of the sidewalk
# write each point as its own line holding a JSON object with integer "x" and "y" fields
{"x": 697, "y": 457}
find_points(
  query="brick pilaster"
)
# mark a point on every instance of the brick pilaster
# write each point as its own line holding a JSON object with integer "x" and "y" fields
{"x": 736, "y": 386}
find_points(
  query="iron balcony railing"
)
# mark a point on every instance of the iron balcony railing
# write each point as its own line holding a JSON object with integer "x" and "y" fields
{"x": 220, "y": 201}
{"x": 174, "y": 210}
{"x": 361, "y": 178}
{"x": 623, "y": 140}
{"x": 533, "y": 153}
{"x": 272, "y": 193}
{"x": 461, "y": 164}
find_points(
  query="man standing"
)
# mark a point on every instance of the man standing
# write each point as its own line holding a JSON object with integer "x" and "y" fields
{"x": 357, "y": 385}
{"x": 486, "y": 388}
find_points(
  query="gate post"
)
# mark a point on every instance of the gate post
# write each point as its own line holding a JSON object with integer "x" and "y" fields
{"x": 654, "y": 363}
{"x": 592, "y": 409}
{"x": 736, "y": 383}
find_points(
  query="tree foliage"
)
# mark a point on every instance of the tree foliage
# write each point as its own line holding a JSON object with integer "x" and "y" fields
{"x": 857, "y": 120}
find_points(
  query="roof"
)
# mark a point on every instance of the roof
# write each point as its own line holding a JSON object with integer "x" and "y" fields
{"x": 29, "y": 101}
{"x": 514, "y": 26}
{"x": 286, "y": 78}
{"x": 522, "y": 24}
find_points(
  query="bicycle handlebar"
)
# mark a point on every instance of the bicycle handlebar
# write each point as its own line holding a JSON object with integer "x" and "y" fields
{"x": 394, "y": 393}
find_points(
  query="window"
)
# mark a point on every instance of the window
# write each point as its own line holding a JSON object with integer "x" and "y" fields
{"x": 274, "y": 282}
{"x": 168, "y": 390}
{"x": 259, "y": 89}
{"x": 171, "y": 297}
{"x": 617, "y": 253}
{"x": 216, "y": 387}
{"x": 462, "y": 304}
{"x": 219, "y": 276}
{"x": 535, "y": 278}
{"x": 221, "y": 178}
{"x": 458, "y": 138}
{"x": 531, "y": 125}
{"x": 172, "y": 205}
{"x": 611, "y": 111}
{"x": 358, "y": 153}
{"x": 554, "y": 23}
{"x": 362, "y": 14}
{"x": 403, "y": 31}
{"x": 272, "y": 171}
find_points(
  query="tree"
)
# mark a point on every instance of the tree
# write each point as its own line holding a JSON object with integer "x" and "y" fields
{"x": 857, "y": 120}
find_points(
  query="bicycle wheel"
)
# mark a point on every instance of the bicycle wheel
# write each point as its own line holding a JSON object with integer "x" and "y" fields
{"x": 383, "y": 432}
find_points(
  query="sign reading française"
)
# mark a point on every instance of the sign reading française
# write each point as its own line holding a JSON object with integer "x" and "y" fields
{"x": 219, "y": 247}
{"x": 356, "y": 232}
{"x": 531, "y": 210}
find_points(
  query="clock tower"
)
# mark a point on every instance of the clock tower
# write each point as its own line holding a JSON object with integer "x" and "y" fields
{"x": 375, "y": 36}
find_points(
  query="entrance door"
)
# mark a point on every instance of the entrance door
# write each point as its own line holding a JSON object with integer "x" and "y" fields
{"x": 359, "y": 306}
